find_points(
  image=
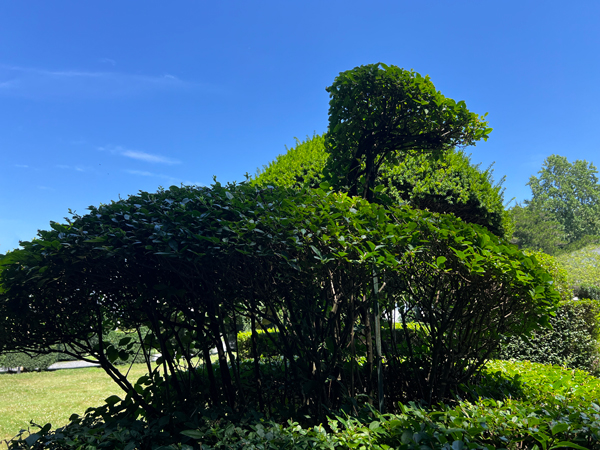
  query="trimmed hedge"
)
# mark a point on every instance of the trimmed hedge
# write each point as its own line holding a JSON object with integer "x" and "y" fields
{"x": 587, "y": 291}
{"x": 12, "y": 361}
{"x": 116, "y": 339}
{"x": 571, "y": 342}
{"x": 264, "y": 344}
{"x": 267, "y": 345}
{"x": 42, "y": 362}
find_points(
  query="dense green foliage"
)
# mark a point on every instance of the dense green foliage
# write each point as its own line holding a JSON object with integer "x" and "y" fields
{"x": 298, "y": 167}
{"x": 535, "y": 229}
{"x": 560, "y": 275}
{"x": 379, "y": 113}
{"x": 266, "y": 343}
{"x": 590, "y": 291}
{"x": 450, "y": 184}
{"x": 571, "y": 342}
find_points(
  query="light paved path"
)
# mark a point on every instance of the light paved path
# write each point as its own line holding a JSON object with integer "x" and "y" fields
{"x": 72, "y": 365}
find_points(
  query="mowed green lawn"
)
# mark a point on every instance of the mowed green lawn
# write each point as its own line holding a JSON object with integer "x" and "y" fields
{"x": 53, "y": 396}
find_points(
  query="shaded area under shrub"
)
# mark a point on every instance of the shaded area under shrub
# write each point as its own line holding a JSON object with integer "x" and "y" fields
{"x": 518, "y": 405}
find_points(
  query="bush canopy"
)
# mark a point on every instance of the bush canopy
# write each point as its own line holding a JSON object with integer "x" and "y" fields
{"x": 190, "y": 263}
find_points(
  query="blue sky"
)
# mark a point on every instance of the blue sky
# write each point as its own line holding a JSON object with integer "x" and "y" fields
{"x": 99, "y": 100}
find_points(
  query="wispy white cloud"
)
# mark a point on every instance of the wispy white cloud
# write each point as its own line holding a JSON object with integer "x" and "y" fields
{"x": 22, "y": 166}
{"x": 112, "y": 62}
{"x": 168, "y": 178}
{"x": 6, "y": 85}
{"x": 76, "y": 168}
{"x": 143, "y": 173}
{"x": 141, "y": 156}
{"x": 48, "y": 84}
{"x": 149, "y": 157}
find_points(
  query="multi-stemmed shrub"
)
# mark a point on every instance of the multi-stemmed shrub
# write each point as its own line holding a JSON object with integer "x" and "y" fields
{"x": 190, "y": 264}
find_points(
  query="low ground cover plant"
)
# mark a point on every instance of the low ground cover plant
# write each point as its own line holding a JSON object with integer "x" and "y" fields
{"x": 513, "y": 405}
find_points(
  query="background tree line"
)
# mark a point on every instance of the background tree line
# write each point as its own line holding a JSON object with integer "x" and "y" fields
{"x": 563, "y": 214}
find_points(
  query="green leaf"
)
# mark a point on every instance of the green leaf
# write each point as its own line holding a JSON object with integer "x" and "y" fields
{"x": 96, "y": 240}
{"x": 374, "y": 425}
{"x": 458, "y": 445}
{"x": 407, "y": 437}
{"x": 112, "y": 400}
{"x": 559, "y": 428}
{"x": 567, "y": 444}
{"x": 32, "y": 439}
{"x": 194, "y": 434}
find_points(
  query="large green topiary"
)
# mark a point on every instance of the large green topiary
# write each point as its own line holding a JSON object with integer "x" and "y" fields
{"x": 450, "y": 184}
{"x": 299, "y": 166}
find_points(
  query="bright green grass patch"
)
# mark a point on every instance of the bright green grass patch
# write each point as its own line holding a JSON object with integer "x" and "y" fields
{"x": 542, "y": 383}
{"x": 53, "y": 396}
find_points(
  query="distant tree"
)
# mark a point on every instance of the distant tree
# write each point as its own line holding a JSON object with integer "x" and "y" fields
{"x": 379, "y": 113}
{"x": 536, "y": 229}
{"x": 569, "y": 194}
